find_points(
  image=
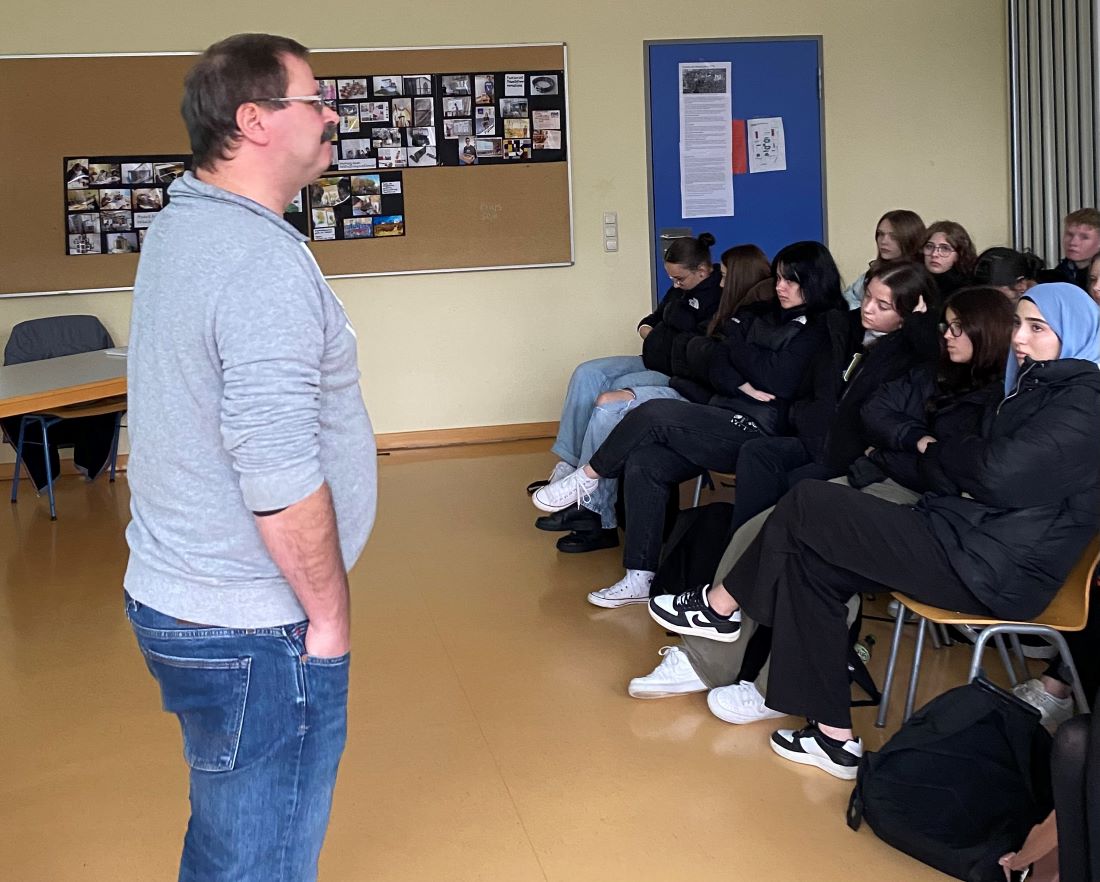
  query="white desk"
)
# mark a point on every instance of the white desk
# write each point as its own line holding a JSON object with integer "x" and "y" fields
{"x": 53, "y": 382}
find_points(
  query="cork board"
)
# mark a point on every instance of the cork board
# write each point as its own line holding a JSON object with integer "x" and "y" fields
{"x": 483, "y": 217}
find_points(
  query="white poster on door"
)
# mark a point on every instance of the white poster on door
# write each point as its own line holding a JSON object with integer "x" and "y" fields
{"x": 767, "y": 145}
{"x": 706, "y": 139}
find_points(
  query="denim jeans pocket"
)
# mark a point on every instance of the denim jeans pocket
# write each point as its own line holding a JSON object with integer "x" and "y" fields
{"x": 208, "y": 696}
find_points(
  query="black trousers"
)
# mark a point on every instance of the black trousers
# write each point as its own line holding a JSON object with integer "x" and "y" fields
{"x": 824, "y": 543}
{"x": 653, "y": 449}
{"x": 1084, "y": 646}
{"x": 768, "y": 468}
{"x": 1075, "y": 776}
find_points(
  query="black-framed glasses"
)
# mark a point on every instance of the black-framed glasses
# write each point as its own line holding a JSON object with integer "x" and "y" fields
{"x": 318, "y": 102}
{"x": 955, "y": 328}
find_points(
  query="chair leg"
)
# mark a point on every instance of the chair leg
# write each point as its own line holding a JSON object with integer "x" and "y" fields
{"x": 945, "y": 635}
{"x": 114, "y": 445}
{"x": 911, "y": 696}
{"x": 934, "y": 635}
{"x": 18, "y": 461}
{"x": 1018, "y": 650}
{"x": 49, "y": 471}
{"x": 1006, "y": 659}
{"x": 698, "y": 492}
{"x": 891, "y": 665}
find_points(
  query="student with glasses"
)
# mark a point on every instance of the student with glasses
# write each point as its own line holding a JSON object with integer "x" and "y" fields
{"x": 949, "y": 256}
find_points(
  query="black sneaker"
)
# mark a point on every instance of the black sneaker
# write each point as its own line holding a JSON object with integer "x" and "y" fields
{"x": 810, "y": 747}
{"x": 690, "y": 614}
{"x": 576, "y": 517}
{"x": 581, "y": 541}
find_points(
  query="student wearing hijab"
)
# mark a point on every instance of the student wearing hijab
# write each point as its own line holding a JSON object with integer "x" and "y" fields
{"x": 1012, "y": 509}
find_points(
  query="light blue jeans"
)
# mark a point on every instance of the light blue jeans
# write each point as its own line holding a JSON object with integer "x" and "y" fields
{"x": 590, "y": 380}
{"x": 263, "y": 731}
{"x": 606, "y": 417}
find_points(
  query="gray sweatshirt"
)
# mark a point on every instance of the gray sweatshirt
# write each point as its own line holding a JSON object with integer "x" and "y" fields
{"x": 243, "y": 397}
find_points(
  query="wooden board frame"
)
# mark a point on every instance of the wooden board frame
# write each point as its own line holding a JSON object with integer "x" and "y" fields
{"x": 458, "y": 219}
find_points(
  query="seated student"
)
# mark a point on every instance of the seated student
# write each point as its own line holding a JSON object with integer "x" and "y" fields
{"x": 1013, "y": 509}
{"x": 746, "y": 279}
{"x": 894, "y": 330}
{"x": 689, "y": 303}
{"x": 1012, "y": 272}
{"x": 1080, "y": 244}
{"x": 898, "y": 236}
{"x": 756, "y": 373}
{"x": 949, "y": 256}
{"x": 1094, "y": 279}
{"x": 942, "y": 401}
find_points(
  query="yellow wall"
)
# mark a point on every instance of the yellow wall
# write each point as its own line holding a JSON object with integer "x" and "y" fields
{"x": 915, "y": 116}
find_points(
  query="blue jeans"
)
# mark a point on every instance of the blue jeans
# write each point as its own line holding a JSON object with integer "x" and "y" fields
{"x": 263, "y": 730}
{"x": 606, "y": 417}
{"x": 589, "y": 381}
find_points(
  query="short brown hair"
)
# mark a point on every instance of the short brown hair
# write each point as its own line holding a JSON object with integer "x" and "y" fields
{"x": 239, "y": 69}
{"x": 1085, "y": 217}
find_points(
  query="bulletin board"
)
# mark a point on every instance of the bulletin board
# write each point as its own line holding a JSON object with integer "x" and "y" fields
{"x": 493, "y": 215}
{"x": 774, "y": 77}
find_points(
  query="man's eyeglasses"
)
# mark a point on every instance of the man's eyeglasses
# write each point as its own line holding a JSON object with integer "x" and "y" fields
{"x": 955, "y": 328}
{"x": 938, "y": 248}
{"x": 318, "y": 102}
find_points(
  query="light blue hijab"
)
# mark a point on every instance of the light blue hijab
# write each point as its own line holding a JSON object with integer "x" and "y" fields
{"x": 1072, "y": 315}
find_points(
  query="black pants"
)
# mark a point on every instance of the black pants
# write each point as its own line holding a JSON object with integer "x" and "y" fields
{"x": 90, "y": 437}
{"x": 768, "y": 468}
{"x": 653, "y": 449}
{"x": 1084, "y": 646}
{"x": 1075, "y": 775}
{"x": 822, "y": 544}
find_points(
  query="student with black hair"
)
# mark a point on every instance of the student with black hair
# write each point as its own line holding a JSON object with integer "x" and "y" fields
{"x": 1010, "y": 271}
{"x": 756, "y": 373}
{"x": 687, "y": 306}
{"x": 899, "y": 235}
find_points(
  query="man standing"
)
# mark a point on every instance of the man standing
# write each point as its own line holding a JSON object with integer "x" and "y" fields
{"x": 252, "y": 470}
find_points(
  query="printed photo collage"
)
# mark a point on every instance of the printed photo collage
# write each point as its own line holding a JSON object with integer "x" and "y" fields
{"x": 356, "y": 205}
{"x": 423, "y": 120}
{"x": 110, "y": 201}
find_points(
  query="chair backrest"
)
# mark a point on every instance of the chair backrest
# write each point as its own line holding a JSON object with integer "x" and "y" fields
{"x": 55, "y": 336}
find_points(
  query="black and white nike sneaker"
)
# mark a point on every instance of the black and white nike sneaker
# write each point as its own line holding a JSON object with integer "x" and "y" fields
{"x": 690, "y": 614}
{"x": 811, "y": 747}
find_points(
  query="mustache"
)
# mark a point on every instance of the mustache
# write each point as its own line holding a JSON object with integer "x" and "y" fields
{"x": 329, "y": 132}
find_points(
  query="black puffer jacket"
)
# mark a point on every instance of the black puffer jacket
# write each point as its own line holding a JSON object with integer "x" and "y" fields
{"x": 681, "y": 314}
{"x": 1032, "y": 479}
{"x": 826, "y": 414}
{"x": 764, "y": 345}
{"x": 902, "y": 412}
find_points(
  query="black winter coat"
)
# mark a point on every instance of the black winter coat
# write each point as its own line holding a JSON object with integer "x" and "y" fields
{"x": 902, "y": 412}
{"x": 764, "y": 345}
{"x": 1032, "y": 479}
{"x": 826, "y": 414}
{"x": 680, "y": 316}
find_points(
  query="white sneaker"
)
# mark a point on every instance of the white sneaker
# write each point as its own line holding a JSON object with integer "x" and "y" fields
{"x": 740, "y": 703}
{"x": 631, "y": 588}
{"x": 576, "y": 488}
{"x": 673, "y": 676}
{"x": 1053, "y": 711}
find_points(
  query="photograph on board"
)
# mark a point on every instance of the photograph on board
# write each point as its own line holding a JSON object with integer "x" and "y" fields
{"x": 468, "y": 154}
{"x": 422, "y": 137}
{"x": 82, "y": 200}
{"x": 329, "y": 191}
{"x": 423, "y": 157}
{"x": 113, "y": 200}
{"x": 513, "y": 108}
{"x": 365, "y": 185}
{"x": 349, "y": 118}
{"x": 489, "y": 148}
{"x": 517, "y": 128}
{"x": 350, "y": 89}
{"x": 76, "y": 173}
{"x": 485, "y": 89}
{"x": 418, "y": 84}
{"x": 423, "y": 112}
{"x": 374, "y": 111}
{"x": 517, "y": 148}
{"x": 453, "y": 107}
{"x": 703, "y": 80}
{"x": 386, "y": 87}
{"x": 89, "y": 222}
{"x": 486, "y": 120}
{"x": 356, "y": 148}
{"x": 387, "y": 137}
{"x": 122, "y": 243}
{"x": 104, "y": 174}
{"x": 546, "y": 139}
{"x": 391, "y": 157}
{"x": 454, "y": 84}
{"x": 166, "y": 172}
{"x": 324, "y": 217}
{"x": 546, "y": 119}
{"x": 116, "y": 221}
{"x": 389, "y": 225}
{"x": 358, "y": 228}
{"x": 148, "y": 199}
{"x": 401, "y": 112}
{"x": 82, "y": 243}
{"x": 544, "y": 84}
{"x": 327, "y": 90}
{"x": 457, "y": 128}
{"x": 136, "y": 173}
{"x": 366, "y": 205}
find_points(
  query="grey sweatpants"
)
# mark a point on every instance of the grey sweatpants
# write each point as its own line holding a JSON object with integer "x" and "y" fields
{"x": 718, "y": 664}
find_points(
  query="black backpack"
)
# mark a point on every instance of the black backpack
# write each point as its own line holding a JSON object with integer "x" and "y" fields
{"x": 960, "y": 784}
{"x": 693, "y": 548}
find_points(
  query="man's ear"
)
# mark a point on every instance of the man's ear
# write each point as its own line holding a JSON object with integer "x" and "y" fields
{"x": 252, "y": 123}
